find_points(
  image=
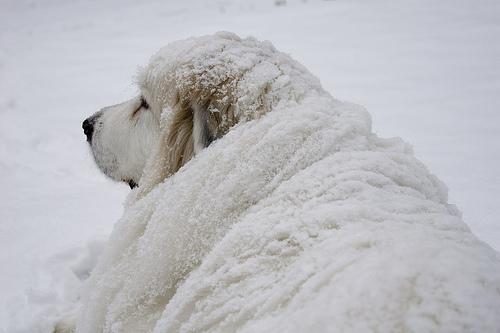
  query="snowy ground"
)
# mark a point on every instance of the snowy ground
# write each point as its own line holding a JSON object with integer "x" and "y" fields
{"x": 426, "y": 70}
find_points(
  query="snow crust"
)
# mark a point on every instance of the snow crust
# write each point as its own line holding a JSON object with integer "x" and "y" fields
{"x": 299, "y": 220}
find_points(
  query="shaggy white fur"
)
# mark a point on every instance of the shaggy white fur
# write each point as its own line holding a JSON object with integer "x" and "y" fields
{"x": 299, "y": 219}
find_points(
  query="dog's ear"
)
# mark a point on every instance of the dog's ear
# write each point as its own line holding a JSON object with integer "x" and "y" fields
{"x": 188, "y": 129}
{"x": 203, "y": 134}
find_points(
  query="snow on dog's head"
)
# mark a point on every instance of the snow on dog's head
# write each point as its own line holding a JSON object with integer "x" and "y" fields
{"x": 191, "y": 93}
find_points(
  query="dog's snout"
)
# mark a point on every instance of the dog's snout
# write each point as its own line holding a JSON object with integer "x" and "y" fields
{"x": 88, "y": 128}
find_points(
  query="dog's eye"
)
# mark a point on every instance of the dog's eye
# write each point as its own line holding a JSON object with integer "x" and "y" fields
{"x": 144, "y": 104}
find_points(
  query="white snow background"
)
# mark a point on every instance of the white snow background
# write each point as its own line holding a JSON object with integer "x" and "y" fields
{"x": 427, "y": 71}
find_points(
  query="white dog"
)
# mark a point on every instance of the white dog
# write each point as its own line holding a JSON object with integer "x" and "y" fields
{"x": 265, "y": 205}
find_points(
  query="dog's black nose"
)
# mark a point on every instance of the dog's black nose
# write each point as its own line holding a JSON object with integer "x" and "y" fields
{"x": 88, "y": 128}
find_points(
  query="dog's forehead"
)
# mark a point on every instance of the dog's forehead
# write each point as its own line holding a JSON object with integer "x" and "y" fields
{"x": 149, "y": 90}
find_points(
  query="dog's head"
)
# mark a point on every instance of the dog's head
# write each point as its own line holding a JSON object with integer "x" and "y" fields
{"x": 191, "y": 93}
{"x": 122, "y": 137}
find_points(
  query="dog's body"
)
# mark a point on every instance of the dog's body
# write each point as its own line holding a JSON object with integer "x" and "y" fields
{"x": 292, "y": 217}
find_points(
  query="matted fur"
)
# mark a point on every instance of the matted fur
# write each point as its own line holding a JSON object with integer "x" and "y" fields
{"x": 301, "y": 221}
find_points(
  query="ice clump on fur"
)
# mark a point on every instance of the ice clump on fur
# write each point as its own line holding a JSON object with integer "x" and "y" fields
{"x": 300, "y": 220}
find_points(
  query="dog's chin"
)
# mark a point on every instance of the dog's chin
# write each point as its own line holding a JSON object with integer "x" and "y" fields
{"x": 131, "y": 183}
{"x": 112, "y": 171}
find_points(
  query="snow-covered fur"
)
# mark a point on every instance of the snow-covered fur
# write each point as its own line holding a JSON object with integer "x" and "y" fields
{"x": 295, "y": 218}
